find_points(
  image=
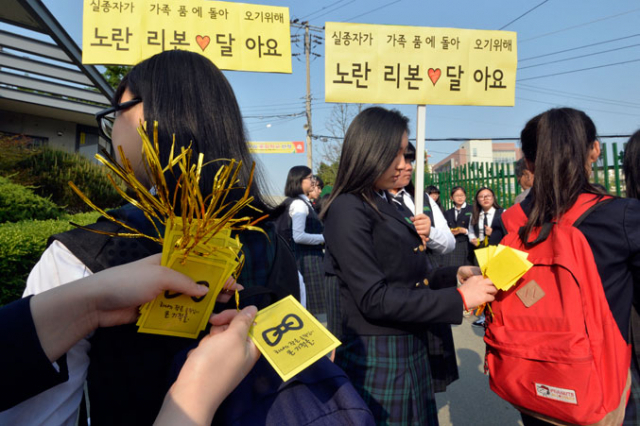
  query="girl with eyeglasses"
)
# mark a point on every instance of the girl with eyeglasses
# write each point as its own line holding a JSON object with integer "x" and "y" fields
{"x": 307, "y": 241}
{"x": 127, "y": 373}
{"x": 485, "y": 227}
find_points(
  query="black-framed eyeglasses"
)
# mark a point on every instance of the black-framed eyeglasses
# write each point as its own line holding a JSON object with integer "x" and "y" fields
{"x": 105, "y": 123}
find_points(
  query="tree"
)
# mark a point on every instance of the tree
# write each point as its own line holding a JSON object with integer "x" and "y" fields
{"x": 114, "y": 74}
{"x": 337, "y": 124}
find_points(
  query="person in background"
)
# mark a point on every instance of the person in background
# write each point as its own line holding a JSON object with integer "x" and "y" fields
{"x": 374, "y": 253}
{"x": 485, "y": 228}
{"x": 440, "y": 238}
{"x": 442, "y": 352}
{"x": 306, "y": 232}
{"x": 524, "y": 178}
{"x": 458, "y": 218}
{"x": 631, "y": 168}
{"x": 434, "y": 193}
{"x": 316, "y": 193}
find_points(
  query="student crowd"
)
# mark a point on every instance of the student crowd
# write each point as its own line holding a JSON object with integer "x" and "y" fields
{"x": 388, "y": 280}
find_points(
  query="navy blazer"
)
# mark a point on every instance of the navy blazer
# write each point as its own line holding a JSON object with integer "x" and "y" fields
{"x": 498, "y": 232}
{"x": 462, "y": 222}
{"x": 381, "y": 270}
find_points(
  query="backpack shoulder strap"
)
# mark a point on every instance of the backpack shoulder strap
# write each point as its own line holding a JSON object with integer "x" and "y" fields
{"x": 584, "y": 205}
{"x": 513, "y": 218}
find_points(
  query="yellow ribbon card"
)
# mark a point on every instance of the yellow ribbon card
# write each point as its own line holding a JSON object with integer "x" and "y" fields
{"x": 395, "y": 64}
{"x": 211, "y": 262}
{"x": 503, "y": 265}
{"x": 290, "y": 338}
{"x": 235, "y": 36}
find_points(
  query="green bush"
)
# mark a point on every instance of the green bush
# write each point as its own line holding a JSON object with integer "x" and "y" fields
{"x": 22, "y": 244}
{"x": 18, "y": 203}
{"x": 49, "y": 172}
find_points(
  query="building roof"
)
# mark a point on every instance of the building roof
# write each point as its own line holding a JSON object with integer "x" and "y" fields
{"x": 46, "y": 79}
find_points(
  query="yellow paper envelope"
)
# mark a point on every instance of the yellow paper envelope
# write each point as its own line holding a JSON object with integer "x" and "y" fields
{"x": 506, "y": 267}
{"x": 290, "y": 338}
{"x": 180, "y": 315}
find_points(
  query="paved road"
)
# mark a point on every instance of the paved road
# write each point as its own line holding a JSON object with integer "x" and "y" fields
{"x": 469, "y": 400}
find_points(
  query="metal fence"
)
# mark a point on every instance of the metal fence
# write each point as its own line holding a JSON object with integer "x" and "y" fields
{"x": 501, "y": 178}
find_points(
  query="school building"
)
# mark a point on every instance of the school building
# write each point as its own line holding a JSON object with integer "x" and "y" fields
{"x": 47, "y": 96}
{"x": 480, "y": 151}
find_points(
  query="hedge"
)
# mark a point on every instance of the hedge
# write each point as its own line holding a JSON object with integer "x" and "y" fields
{"x": 19, "y": 203}
{"x": 22, "y": 244}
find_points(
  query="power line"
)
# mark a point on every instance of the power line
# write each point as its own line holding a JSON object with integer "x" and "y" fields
{"x": 581, "y": 97}
{"x": 321, "y": 9}
{"x": 579, "y": 70}
{"x": 471, "y": 139}
{"x": 373, "y": 10}
{"x": 524, "y": 14}
{"x": 297, "y": 114}
{"x": 577, "y": 26}
{"x": 590, "y": 109}
{"x": 577, "y": 48}
{"x": 333, "y": 10}
{"x": 580, "y": 56}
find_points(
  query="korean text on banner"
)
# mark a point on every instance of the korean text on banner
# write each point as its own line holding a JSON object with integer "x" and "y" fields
{"x": 296, "y": 147}
{"x": 235, "y": 36}
{"x": 419, "y": 65}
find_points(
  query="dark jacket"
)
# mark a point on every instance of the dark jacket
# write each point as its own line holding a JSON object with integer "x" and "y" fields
{"x": 498, "y": 232}
{"x": 464, "y": 217}
{"x": 381, "y": 271}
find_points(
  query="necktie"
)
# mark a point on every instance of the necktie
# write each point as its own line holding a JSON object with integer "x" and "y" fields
{"x": 457, "y": 213}
{"x": 485, "y": 223}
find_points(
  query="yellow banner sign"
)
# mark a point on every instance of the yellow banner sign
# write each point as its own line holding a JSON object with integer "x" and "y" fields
{"x": 296, "y": 147}
{"x": 235, "y": 36}
{"x": 419, "y": 65}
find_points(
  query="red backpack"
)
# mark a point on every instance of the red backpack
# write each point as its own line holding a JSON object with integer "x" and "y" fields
{"x": 554, "y": 349}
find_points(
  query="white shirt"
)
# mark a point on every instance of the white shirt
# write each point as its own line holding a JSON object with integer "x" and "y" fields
{"x": 58, "y": 405}
{"x": 490, "y": 213}
{"x": 458, "y": 210}
{"x": 298, "y": 211}
{"x": 441, "y": 240}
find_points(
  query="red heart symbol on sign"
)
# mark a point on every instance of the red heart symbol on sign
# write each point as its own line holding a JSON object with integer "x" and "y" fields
{"x": 434, "y": 75}
{"x": 203, "y": 42}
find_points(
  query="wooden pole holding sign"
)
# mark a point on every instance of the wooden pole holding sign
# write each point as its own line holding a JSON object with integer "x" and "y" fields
{"x": 420, "y": 132}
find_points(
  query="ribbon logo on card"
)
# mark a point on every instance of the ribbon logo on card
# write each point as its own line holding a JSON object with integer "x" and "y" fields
{"x": 272, "y": 336}
{"x": 169, "y": 295}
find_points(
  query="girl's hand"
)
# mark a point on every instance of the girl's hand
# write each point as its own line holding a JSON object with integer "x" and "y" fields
{"x": 423, "y": 226}
{"x": 475, "y": 242}
{"x": 487, "y": 231}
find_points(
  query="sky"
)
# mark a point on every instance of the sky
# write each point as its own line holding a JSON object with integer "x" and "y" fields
{"x": 583, "y": 54}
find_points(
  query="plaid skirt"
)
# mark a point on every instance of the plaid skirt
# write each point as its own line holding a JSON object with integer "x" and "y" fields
{"x": 392, "y": 375}
{"x": 310, "y": 265}
{"x": 459, "y": 256}
{"x": 332, "y": 303}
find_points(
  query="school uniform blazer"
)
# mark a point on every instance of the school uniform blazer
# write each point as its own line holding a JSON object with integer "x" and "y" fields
{"x": 498, "y": 231}
{"x": 464, "y": 217}
{"x": 24, "y": 366}
{"x": 381, "y": 271}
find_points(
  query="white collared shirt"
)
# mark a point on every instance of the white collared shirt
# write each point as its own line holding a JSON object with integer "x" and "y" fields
{"x": 298, "y": 211}
{"x": 458, "y": 210}
{"x": 441, "y": 240}
{"x": 490, "y": 214}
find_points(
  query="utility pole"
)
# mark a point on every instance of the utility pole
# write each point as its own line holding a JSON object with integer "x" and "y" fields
{"x": 309, "y": 41}
{"x": 307, "y": 54}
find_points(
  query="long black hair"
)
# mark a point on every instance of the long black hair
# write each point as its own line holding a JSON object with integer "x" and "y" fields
{"x": 370, "y": 146}
{"x": 631, "y": 165}
{"x": 558, "y": 143}
{"x": 293, "y": 186}
{"x": 477, "y": 208}
{"x": 190, "y": 98}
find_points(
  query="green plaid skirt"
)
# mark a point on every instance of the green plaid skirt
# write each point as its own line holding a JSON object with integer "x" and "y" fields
{"x": 392, "y": 375}
{"x": 311, "y": 266}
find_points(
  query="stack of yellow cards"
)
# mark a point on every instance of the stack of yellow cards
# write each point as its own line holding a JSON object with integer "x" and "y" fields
{"x": 290, "y": 338}
{"x": 208, "y": 260}
{"x": 503, "y": 265}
